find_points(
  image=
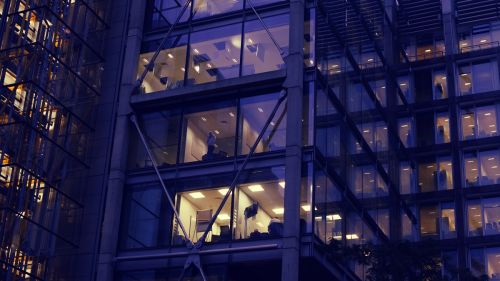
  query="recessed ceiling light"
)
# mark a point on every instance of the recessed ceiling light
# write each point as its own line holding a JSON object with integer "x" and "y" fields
{"x": 204, "y": 119}
{"x": 234, "y": 60}
{"x": 404, "y": 126}
{"x": 370, "y": 60}
{"x": 483, "y": 41}
{"x": 402, "y": 84}
{"x": 282, "y": 184}
{"x": 145, "y": 60}
{"x": 306, "y": 208}
{"x": 209, "y": 65}
{"x": 428, "y": 50}
{"x": 231, "y": 114}
{"x": 255, "y": 188}
{"x": 196, "y": 51}
{"x": 487, "y": 114}
{"x": 260, "y": 109}
{"x": 197, "y": 195}
{"x": 334, "y": 217}
{"x": 467, "y": 84}
{"x": 217, "y": 132}
{"x": 183, "y": 69}
{"x": 223, "y": 217}
{"x": 464, "y": 44}
{"x": 278, "y": 211}
{"x": 223, "y": 191}
{"x": 170, "y": 55}
{"x": 352, "y": 236}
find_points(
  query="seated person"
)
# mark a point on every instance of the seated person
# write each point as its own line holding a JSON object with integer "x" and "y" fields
{"x": 275, "y": 227}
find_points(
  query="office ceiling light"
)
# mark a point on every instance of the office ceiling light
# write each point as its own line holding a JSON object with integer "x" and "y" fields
{"x": 491, "y": 158}
{"x": 196, "y": 195}
{"x": 250, "y": 40}
{"x": 334, "y": 217}
{"x": 170, "y": 55}
{"x": 209, "y": 65}
{"x": 404, "y": 126}
{"x": 235, "y": 61}
{"x": 352, "y": 237}
{"x": 197, "y": 68}
{"x": 467, "y": 84}
{"x": 204, "y": 119}
{"x": 231, "y": 114}
{"x": 259, "y": 224}
{"x": 443, "y": 78}
{"x": 428, "y": 50}
{"x": 370, "y": 60}
{"x": 183, "y": 69}
{"x": 463, "y": 74}
{"x": 196, "y": 51}
{"x": 402, "y": 84}
{"x": 260, "y": 109}
{"x": 223, "y": 191}
{"x": 494, "y": 167}
{"x": 464, "y": 44}
{"x": 145, "y": 60}
{"x": 279, "y": 211}
{"x": 487, "y": 114}
{"x": 223, "y": 217}
{"x": 306, "y": 208}
{"x": 483, "y": 41}
{"x": 282, "y": 184}
{"x": 255, "y": 188}
{"x": 217, "y": 132}
{"x": 272, "y": 123}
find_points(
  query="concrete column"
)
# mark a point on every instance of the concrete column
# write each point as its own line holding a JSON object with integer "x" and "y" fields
{"x": 294, "y": 85}
{"x": 116, "y": 180}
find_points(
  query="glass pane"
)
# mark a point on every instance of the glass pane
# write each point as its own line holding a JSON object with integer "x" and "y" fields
{"x": 465, "y": 80}
{"x": 486, "y": 121}
{"x": 444, "y": 175}
{"x": 407, "y": 228}
{"x": 169, "y": 67}
{"x": 442, "y": 128}
{"x": 493, "y": 261}
{"x": 165, "y": 12}
{"x": 378, "y": 87}
{"x": 209, "y": 135}
{"x": 405, "y": 132}
{"x": 474, "y": 218}
{"x": 448, "y": 229}
{"x": 260, "y": 54}
{"x": 489, "y": 163}
{"x": 429, "y": 221}
{"x": 196, "y": 208}
{"x": 468, "y": 125}
{"x": 143, "y": 218}
{"x": 206, "y": 8}
{"x": 471, "y": 170}
{"x": 491, "y": 209}
{"x": 404, "y": 85}
{"x": 483, "y": 77}
{"x": 260, "y": 210}
{"x": 254, "y": 113}
{"x": 215, "y": 54}
{"x": 477, "y": 265}
{"x": 427, "y": 177}
{"x": 440, "y": 87}
{"x": 161, "y": 131}
{"x": 406, "y": 178}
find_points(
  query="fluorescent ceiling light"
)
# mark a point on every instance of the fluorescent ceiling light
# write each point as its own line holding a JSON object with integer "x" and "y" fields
{"x": 223, "y": 191}
{"x": 279, "y": 211}
{"x": 334, "y": 217}
{"x": 255, "y": 188}
{"x": 197, "y": 195}
{"x": 306, "y": 208}
{"x": 352, "y": 236}
{"x": 223, "y": 217}
{"x": 282, "y": 184}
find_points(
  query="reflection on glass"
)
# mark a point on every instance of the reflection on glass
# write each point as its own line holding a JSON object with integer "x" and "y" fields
{"x": 491, "y": 209}
{"x": 486, "y": 121}
{"x": 168, "y": 70}
{"x": 208, "y": 135}
{"x": 468, "y": 124}
{"x": 435, "y": 176}
{"x": 440, "y": 87}
{"x": 143, "y": 218}
{"x": 482, "y": 77}
{"x": 406, "y": 178}
{"x": 254, "y": 113}
{"x": 367, "y": 183}
{"x": 207, "y": 8}
{"x": 378, "y": 87}
{"x": 448, "y": 229}
{"x": 429, "y": 223}
{"x": 259, "y": 52}
{"x": 490, "y": 167}
{"x": 215, "y": 54}
{"x": 405, "y": 132}
{"x": 161, "y": 131}
{"x": 493, "y": 262}
{"x": 404, "y": 85}
{"x": 477, "y": 265}
{"x": 327, "y": 209}
{"x": 196, "y": 208}
{"x": 442, "y": 128}
{"x": 165, "y": 12}
{"x": 474, "y": 218}
{"x": 358, "y": 99}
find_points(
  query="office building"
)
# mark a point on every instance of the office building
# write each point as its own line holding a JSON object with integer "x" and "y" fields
{"x": 358, "y": 121}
